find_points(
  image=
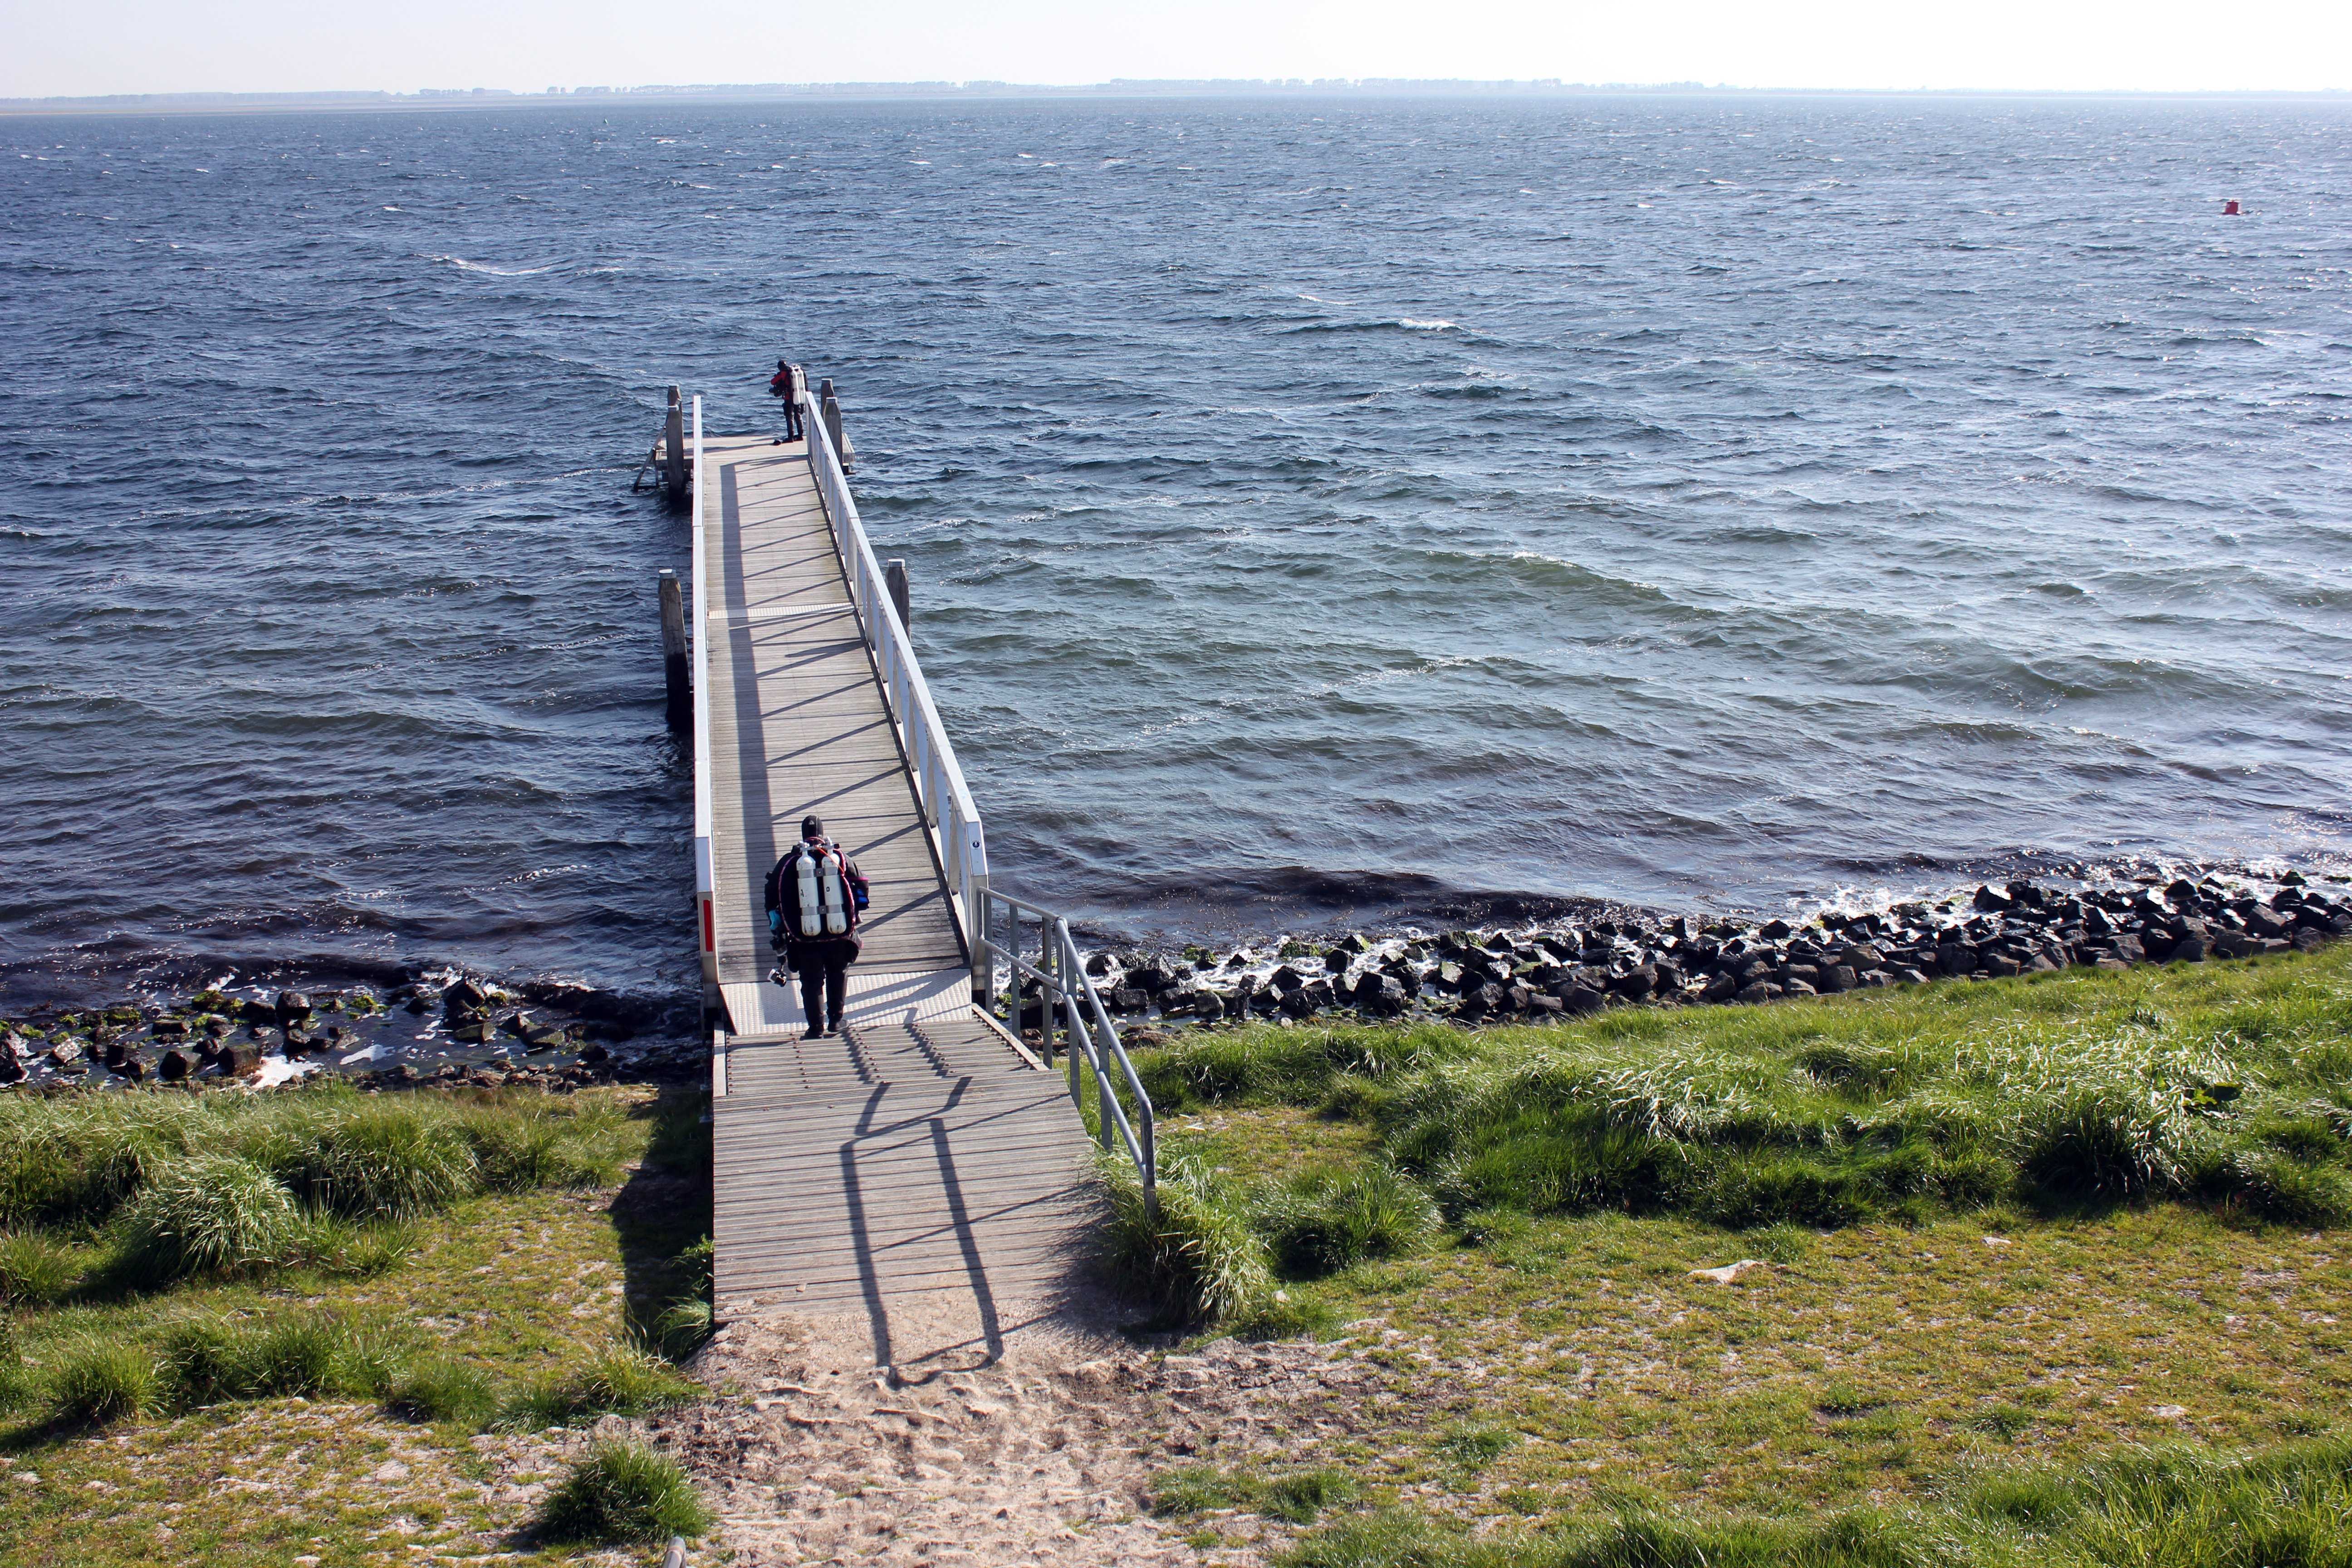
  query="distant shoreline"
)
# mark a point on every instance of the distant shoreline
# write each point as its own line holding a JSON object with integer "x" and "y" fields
{"x": 434, "y": 101}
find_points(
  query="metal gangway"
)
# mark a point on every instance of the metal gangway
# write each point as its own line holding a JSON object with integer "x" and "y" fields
{"x": 924, "y": 1149}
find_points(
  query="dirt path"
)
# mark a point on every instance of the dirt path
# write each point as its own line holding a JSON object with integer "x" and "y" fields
{"x": 1024, "y": 1435}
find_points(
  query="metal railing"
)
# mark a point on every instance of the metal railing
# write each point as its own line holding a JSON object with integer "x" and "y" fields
{"x": 706, "y": 913}
{"x": 939, "y": 791}
{"x": 1087, "y": 1032}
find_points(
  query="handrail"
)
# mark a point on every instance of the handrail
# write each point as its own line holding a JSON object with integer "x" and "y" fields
{"x": 941, "y": 793}
{"x": 652, "y": 453}
{"x": 705, "y": 905}
{"x": 1062, "y": 980}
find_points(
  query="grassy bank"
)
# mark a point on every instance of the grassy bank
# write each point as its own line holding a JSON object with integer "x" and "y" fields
{"x": 326, "y": 1326}
{"x": 2073, "y": 1237}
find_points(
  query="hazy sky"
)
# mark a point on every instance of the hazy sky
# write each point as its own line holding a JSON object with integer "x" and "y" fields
{"x": 273, "y": 46}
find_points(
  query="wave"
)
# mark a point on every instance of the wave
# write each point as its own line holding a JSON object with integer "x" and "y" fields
{"x": 1393, "y": 324}
{"x": 465, "y": 266}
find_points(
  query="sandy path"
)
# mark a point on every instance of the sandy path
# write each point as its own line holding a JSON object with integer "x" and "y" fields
{"x": 1023, "y": 1435}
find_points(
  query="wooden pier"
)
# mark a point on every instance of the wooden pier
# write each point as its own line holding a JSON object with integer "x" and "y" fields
{"x": 923, "y": 1149}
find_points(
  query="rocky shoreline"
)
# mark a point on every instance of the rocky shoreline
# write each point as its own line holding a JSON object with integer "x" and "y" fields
{"x": 442, "y": 1030}
{"x": 1520, "y": 976}
{"x": 440, "y": 1027}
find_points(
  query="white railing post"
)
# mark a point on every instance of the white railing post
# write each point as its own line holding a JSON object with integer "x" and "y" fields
{"x": 941, "y": 797}
{"x": 706, "y": 911}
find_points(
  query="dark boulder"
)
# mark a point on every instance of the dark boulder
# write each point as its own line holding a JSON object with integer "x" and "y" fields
{"x": 174, "y": 1066}
{"x": 1837, "y": 977}
{"x": 1286, "y": 979}
{"x": 1380, "y": 995}
{"x": 1480, "y": 1001}
{"x": 1336, "y": 962}
{"x": 2263, "y": 923}
{"x": 1577, "y": 998}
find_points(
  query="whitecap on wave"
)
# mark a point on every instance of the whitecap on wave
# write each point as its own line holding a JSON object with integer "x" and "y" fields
{"x": 463, "y": 265}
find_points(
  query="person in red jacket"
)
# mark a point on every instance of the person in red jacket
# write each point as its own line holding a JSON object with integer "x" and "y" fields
{"x": 781, "y": 385}
{"x": 814, "y": 897}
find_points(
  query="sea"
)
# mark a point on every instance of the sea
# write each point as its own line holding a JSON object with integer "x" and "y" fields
{"x": 1319, "y": 510}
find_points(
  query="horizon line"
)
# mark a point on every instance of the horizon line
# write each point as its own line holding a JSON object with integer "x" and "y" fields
{"x": 1115, "y": 87}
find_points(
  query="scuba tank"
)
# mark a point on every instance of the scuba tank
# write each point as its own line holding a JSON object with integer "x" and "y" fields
{"x": 818, "y": 880}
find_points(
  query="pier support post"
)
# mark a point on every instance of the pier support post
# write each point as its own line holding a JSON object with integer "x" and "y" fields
{"x": 674, "y": 450}
{"x": 893, "y": 577}
{"x": 673, "y": 672}
{"x": 984, "y": 963}
{"x": 830, "y": 407}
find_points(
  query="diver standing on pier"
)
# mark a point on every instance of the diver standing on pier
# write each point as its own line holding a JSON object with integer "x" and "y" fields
{"x": 814, "y": 895}
{"x": 781, "y": 384}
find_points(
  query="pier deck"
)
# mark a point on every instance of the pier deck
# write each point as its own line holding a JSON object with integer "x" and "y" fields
{"x": 920, "y": 1152}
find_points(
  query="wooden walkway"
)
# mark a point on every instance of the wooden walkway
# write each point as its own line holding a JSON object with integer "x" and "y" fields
{"x": 921, "y": 1152}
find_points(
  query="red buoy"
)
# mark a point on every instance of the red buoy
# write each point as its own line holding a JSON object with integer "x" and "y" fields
{"x": 2230, "y": 209}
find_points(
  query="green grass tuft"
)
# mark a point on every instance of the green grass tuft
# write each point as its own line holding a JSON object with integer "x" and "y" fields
{"x": 443, "y": 1389}
{"x": 1199, "y": 1256}
{"x": 391, "y": 1162}
{"x": 619, "y": 1382}
{"x": 99, "y": 1382}
{"x": 34, "y": 1270}
{"x": 1323, "y": 1221}
{"x": 1296, "y": 1496}
{"x": 206, "y": 1213}
{"x": 622, "y": 1493}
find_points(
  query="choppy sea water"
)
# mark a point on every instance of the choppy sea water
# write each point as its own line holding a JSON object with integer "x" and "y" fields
{"x": 1328, "y": 509}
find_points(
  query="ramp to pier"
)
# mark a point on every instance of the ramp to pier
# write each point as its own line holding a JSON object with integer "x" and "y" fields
{"x": 921, "y": 1151}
